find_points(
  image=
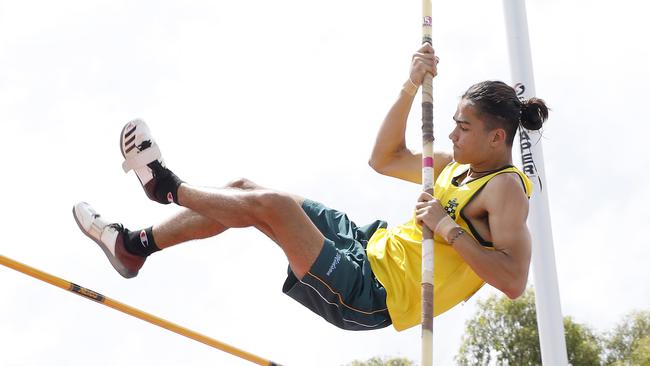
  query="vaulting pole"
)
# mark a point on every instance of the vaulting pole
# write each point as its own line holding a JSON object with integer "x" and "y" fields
{"x": 547, "y": 294}
{"x": 126, "y": 309}
{"x": 427, "y": 186}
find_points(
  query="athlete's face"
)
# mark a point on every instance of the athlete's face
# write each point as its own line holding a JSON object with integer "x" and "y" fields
{"x": 470, "y": 138}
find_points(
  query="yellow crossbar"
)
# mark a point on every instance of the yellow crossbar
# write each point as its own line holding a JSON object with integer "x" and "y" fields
{"x": 92, "y": 295}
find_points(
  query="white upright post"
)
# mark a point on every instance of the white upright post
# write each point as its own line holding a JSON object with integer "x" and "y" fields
{"x": 547, "y": 294}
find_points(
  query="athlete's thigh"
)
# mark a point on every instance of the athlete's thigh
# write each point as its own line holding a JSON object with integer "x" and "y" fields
{"x": 295, "y": 233}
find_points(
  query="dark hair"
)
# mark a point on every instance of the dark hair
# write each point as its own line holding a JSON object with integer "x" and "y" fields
{"x": 498, "y": 104}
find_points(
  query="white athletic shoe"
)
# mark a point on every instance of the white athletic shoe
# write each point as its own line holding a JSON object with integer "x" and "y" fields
{"x": 142, "y": 155}
{"x": 110, "y": 237}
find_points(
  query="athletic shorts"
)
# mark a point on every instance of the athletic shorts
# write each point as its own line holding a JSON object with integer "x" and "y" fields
{"x": 340, "y": 286}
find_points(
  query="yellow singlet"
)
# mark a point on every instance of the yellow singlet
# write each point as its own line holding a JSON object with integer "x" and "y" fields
{"x": 395, "y": 253}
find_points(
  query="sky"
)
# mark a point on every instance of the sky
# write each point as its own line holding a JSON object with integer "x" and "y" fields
{"x": 290, "y": 94}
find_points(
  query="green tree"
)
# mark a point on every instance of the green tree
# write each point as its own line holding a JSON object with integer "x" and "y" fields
{"x": 629, "y": 343}
{"x": 584, "y": 347}
{"x": 505, "y": 331}
{"x": 641, "y": 353}
{"x": 382, "y": 361}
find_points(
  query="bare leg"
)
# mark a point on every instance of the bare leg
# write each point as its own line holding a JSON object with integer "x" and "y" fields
{"x": 185, "y": 226}
{"x": 245, "y": 204}
{"x": 189, "y": 225}
{"x": 276, "y": 214}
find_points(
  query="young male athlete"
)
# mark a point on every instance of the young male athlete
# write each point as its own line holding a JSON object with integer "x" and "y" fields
{"x": 367, "y": 277}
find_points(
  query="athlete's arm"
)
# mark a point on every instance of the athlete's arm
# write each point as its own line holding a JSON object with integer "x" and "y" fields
{"x": 506, "y": 267}
{"x": 390, "y": 156}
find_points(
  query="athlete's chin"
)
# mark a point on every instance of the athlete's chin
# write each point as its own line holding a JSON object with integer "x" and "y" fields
{"x": 458, "y": 157}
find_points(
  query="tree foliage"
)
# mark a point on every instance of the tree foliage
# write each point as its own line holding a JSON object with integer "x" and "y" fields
{"x": 382, "y": 361}
{"x": 640, "y": 354}
{"x": 584, "y": 346}
{"x": 504, "y": 332}
{"x": 629, "y": 343}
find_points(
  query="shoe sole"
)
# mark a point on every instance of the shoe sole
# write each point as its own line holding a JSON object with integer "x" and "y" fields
{"x": 111, "y": 258}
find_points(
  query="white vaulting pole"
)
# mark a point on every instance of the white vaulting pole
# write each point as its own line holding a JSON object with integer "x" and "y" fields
{"x": 547, "y": 294}
{"x": 427, "y": 186}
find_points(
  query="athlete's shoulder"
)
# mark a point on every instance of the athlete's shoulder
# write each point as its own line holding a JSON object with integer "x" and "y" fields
{"x": 506, "y": 193}
{"x": 507, "y": 183}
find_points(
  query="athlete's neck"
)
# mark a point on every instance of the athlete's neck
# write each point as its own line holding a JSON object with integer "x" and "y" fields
{"x": 487, "y": 167}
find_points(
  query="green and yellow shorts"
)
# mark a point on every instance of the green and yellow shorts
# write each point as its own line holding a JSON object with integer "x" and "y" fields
{"x": 340, "y": 286}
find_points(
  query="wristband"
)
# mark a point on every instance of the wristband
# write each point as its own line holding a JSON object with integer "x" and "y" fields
{"x": 409, "y": 87}
{"x": 444, "y": 226}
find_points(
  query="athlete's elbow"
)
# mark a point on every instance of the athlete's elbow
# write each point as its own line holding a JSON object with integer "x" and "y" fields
{"x": 385, "y": 161}
{"x": 514, "y": 293}
{"x": 514, "y": 280}
{"x": 515, "y": 287}
{"x": 512, "y": 286}
{"x": 378, "y": 164}
{"x": 374, "y": 163}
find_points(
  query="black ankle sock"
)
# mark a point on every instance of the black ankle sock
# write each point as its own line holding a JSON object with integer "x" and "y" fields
{"x": 167, "y": 184}
{"x": 140, "y": 243}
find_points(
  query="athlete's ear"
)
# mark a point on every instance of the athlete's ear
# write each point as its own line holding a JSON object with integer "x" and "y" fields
{"x": 498, "y": 136}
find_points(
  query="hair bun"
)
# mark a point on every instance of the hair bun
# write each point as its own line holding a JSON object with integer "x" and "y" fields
{"x": 533, "y": 113}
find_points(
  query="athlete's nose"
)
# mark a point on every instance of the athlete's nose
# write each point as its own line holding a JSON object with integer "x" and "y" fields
{"x": 452, "y": 135}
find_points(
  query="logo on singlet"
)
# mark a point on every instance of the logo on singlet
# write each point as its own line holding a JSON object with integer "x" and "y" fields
{"x": 451, "y": 207}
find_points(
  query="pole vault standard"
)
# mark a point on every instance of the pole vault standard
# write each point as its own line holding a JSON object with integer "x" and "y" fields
{"x": 547, "y": 299}
{"x": 126, "y": 309}
{"x": 427, "y": 186}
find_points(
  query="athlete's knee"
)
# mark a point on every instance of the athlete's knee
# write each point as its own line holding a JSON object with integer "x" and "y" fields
{"x": 271, "y": 203}
{"x": 243, "y": 183}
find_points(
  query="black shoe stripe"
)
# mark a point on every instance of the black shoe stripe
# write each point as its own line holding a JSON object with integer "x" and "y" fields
{"x": 129, "y": 142}
{"x": 130, "y": 132}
